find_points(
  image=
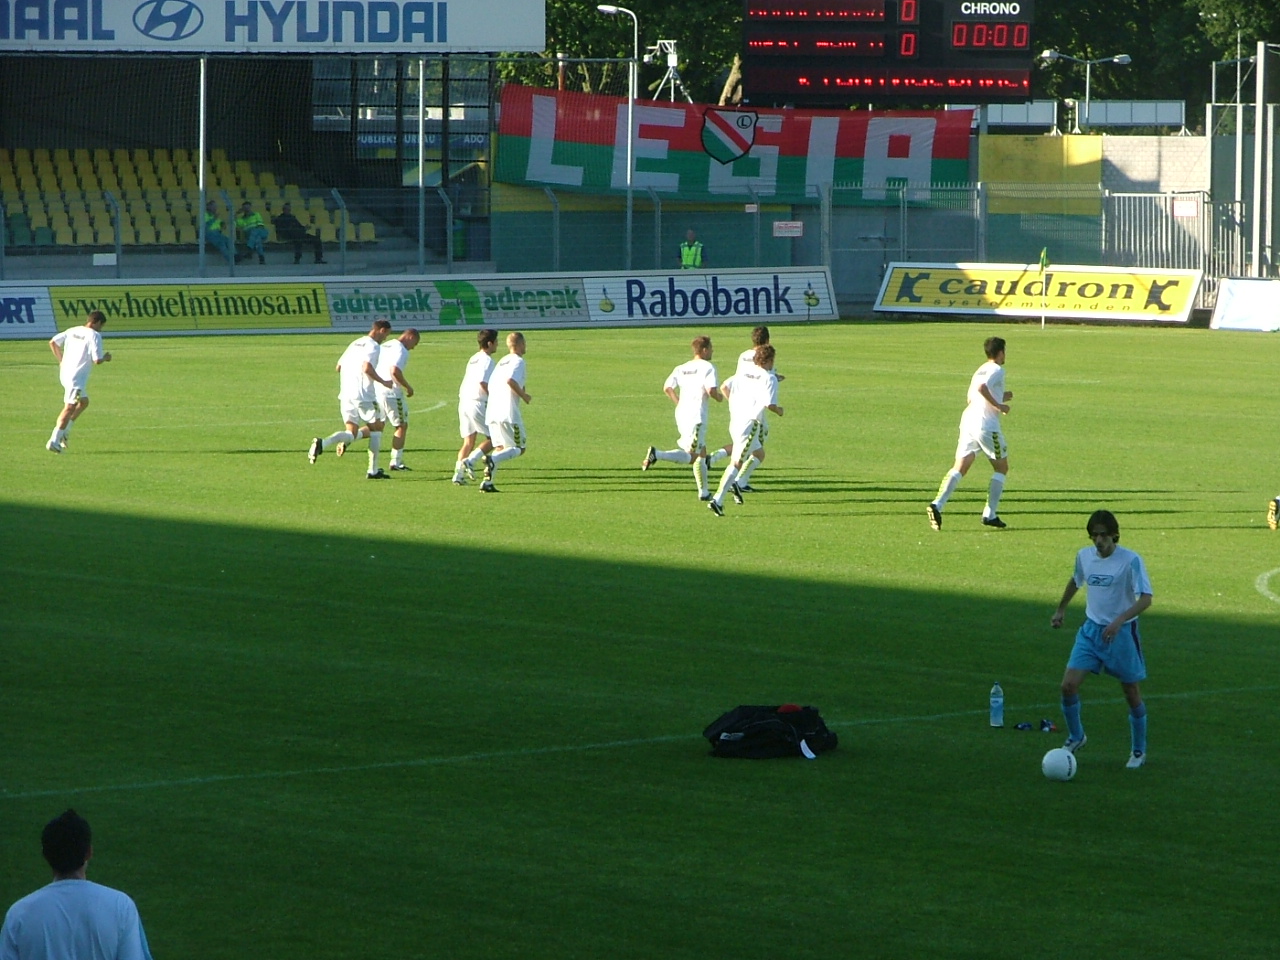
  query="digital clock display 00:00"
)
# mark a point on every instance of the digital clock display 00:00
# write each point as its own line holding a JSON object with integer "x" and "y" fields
{"x": 994, "y": 35}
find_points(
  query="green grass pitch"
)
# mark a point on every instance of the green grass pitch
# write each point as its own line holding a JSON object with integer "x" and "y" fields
{"x": 312, "y": 717}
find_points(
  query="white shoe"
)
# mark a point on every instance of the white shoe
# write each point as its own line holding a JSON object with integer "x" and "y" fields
{"x": 53, "y": 447}
{"x": 1072, "y": 746}
{"x": 1136, "y": 760}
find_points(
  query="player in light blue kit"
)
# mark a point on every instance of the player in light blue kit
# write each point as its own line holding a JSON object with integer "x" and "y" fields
{"x": 1118, "y": 590}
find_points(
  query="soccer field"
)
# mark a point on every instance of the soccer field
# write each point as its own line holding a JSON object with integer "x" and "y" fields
{"x": 314, "y": 717}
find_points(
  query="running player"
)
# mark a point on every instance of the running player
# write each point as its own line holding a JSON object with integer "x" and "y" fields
{"x": 473, "y": 397}
{"x": 503, "y": 422}
{"x": 750, "y": 394}
{"x": 393, "y": 404}
{"x": 689, "y": 386}
{"x": 357, "y": 402}
{"x": 78, "y": 350}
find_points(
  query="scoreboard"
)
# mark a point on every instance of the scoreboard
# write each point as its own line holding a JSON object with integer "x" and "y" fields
{"x": 835, "y": 52}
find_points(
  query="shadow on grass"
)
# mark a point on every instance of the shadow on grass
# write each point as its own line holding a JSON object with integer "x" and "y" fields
{"x": 498, "y": 753}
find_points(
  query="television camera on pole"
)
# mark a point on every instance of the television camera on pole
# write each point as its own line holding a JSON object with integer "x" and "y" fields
{"x": 670, "y": 79}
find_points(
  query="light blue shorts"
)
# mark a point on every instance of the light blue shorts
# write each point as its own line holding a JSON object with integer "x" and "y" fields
{"x": 1121, "y": 658}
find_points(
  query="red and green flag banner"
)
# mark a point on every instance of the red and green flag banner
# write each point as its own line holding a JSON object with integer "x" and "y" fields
{"x": 578, "y": 141}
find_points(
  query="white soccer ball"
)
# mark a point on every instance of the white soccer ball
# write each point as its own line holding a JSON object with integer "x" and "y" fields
{"x": 1059, "y": 764}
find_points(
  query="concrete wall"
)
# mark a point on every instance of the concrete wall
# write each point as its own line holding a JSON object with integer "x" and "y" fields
{"x": 1155, "y": 164}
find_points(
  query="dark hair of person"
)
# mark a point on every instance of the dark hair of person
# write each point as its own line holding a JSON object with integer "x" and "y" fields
{"x": 381, "y": 324}
{"x": 760, "y": 336}
{"x": 700, "y": 343}
{"x": 1103, "y": 518}
{"x": 65, "y": 842}
{"x": 992, "y": 346}
{"x": 486, "y": 336}
{"x": 96, "y": 316}
{"x": 764, "y": 354}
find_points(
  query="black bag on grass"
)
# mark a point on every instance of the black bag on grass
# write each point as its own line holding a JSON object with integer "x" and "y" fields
{"x": 760, "y": 732}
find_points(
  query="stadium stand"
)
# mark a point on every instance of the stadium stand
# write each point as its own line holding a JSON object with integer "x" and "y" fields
{"x": 58, "y": 198}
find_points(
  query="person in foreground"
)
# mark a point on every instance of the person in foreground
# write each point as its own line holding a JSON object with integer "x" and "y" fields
{"x": 980, "y": 431}
{"x": 357, "y": 399}
{"x": 503, "y": 421}
{"x": 78, "y": 350}
{"x": 1118, "y": 591}
{"x": 72, "y": 918}
{"x": 689, "y": 387}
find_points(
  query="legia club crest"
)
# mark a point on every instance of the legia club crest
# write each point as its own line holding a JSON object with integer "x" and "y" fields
{"x": 728, "y": 134}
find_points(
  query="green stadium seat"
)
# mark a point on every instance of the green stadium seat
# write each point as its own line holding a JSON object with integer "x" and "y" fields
{"x": 43, "y": 236}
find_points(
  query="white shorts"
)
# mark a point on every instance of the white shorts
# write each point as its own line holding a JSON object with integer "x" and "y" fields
{"x": 746, "y": 439}
{"x": 74, "y": 392}
{"x": 507, "y": 434}
{"x": 693, "y": 436}
{"x": 359, "y": 411}
{"x": 393, "y": 407}
{"x": 989, "y": 442}
{"x": 471, "y": 418}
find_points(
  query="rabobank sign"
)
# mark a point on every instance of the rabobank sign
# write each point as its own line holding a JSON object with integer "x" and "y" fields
{"x": 723, "y": 296}
{"x": 272, "y": 26}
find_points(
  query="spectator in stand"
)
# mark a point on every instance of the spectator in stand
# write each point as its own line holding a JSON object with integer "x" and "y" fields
{"x": 251, "y": 226}
{"x": 290, "y": 229}
{"x": 213, "y": 234}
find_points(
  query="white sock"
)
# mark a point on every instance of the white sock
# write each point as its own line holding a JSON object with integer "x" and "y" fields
{"x": 993, "y": 496}
{"x": 508, "y": 454}
{"x": 716, "y": 456}
{"x": 700, "y": 474}
{"x": 674, "y": 456}
{"x": 949, "y": 484}
{"x": 67, "y": 429}
{"x": 397, "y": 456}
{"x": 474, "y": 457}
{"x": 57, "y": 435}
{"x": 334, "y": 439}
{"x": 726, "y": 481}
{"x": 375, "y": 446}
{"x": 457, "y": 470}
{"x": 749, "y": 469}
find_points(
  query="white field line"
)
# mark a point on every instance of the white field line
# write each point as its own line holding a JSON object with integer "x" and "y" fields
{"x": 539, "y": 751}
{"x": 1263, "y": 583}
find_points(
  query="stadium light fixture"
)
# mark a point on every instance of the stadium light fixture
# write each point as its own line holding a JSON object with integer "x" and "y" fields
{"x": 612, "y": 10}
{"x": 1120, "y": 59}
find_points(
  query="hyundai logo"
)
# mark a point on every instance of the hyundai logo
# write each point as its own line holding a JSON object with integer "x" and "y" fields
{"x": 168, "y": 20}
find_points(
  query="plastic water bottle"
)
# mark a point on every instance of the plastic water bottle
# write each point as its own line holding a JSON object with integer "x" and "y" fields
{"x": 997, "y": 705}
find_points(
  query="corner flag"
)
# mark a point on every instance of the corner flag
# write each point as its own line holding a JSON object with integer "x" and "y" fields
{"x": 1044, "y": 260}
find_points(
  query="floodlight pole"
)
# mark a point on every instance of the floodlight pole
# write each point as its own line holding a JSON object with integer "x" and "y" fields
{"x": 613, "y": 10}
{"x": 1122, "y": 59}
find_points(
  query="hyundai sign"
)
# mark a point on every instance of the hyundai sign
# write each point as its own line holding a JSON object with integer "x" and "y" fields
{"x": 271, "y": 26}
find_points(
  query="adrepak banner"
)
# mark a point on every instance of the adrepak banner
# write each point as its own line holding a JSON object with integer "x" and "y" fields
{"x": 508, "y": 301}
{"x": 576, "y": 141}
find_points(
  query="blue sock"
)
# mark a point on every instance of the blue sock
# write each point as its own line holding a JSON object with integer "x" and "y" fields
{"x": 1071, "y": 713}
{"x": 1138, "y": 727}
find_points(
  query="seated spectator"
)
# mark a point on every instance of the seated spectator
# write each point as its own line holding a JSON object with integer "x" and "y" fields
{"x": 213, "y": 234}
{"x": 290, "y": 228}
{"x": 249, "y": 223}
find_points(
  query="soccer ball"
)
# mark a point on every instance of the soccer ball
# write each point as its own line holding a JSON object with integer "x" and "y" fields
{"x": 1059, "y": 764}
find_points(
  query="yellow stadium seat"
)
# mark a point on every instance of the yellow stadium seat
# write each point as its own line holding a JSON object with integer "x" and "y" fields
{"x": 21, "y": 156}
{"x": 187, "y": 234}
{"x": 84, "y": 236}
{"x": 218, "y": 154}
{"x": 37, "y": 217}
{"x": 365, "y": 233}
{"x": 64, "y": 237}
{"x": 267, "y": 180}
{"x": 61, "y": 153}
{"x": 328, "y": 234}
{"x": 146, "y": 235}
{"x": 181, "y": 155}
{"x": 40, "y": 155}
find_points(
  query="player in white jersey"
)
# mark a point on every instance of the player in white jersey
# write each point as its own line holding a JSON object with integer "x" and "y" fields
{"x": 689, "y": 387}
{"x": 473, "y": 397}
{"x": 503, "y": 421}
{"x": 393, "y": 402}
{"x": 357, "y": 374}
{"x": 1118, "y": 591}
{"x": 980, "y": 431}
{"x": 72, "y": 917}
{"x": 750, "y": 394}
{"x": 746, "y": 361}
{"x": 77, "y": 350}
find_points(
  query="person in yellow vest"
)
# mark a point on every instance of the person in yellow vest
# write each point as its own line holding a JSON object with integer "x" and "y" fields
{"x": 213, "y": 234}
{"x": 249, "y": 223}
{"x": 691, "y": 252}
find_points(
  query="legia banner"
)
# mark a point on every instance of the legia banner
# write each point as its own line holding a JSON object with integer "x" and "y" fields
{"x": 578, "y": 141}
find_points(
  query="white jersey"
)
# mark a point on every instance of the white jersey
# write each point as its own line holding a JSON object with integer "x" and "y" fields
{"x": 750, "y": 393}
{"x": 504, "y": 404}
{"x": 354, "y": 385}
{"x": 1113, "y": 582}
{"x": 692, "y": 379}
{"x": 81, "y": 348}
{"x": 479, "y": 369}
{"x": 390, "y": 356}
{"x": 747, "y": 360}
{"x": 74, "y": 918}
{"x": 979, "y": 414}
